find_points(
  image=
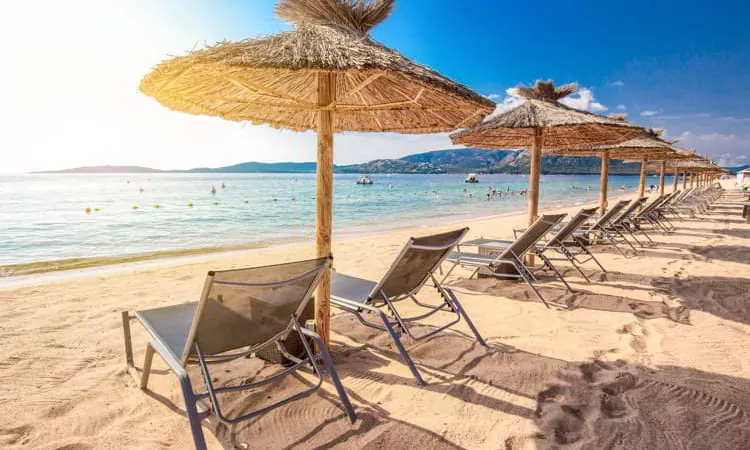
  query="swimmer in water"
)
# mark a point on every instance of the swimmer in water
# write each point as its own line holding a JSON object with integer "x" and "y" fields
{"x": 213, "y": 190}
{"x": 223, "y": 186}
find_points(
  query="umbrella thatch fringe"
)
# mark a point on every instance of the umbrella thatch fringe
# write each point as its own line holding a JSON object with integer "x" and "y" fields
{"x": 545, "y": 91}
{"x": 355, "y": 15}
{"x": 563, "y": 126}
{"x": 274, "y": 80}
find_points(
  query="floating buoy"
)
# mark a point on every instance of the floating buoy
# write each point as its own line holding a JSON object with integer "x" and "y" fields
{"x": 87, "y": 210}
{"x": 246, "y": 201}
{"x": 140, "y": 190}
{"x": 135, "y": 207}
{"x": 190, "y": 205}
{"x": 213, "y": 190}
{"x": 223, "y": 186}
{"x": 157, "y": 206}
{"x": 216, "y": 203}
{"x": 97, "y": 209}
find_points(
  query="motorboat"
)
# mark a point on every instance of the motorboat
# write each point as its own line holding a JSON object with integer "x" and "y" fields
{"x": 365, "y": 179}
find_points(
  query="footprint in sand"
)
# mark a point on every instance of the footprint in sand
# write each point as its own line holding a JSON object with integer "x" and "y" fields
{"x": 623, "y": 405}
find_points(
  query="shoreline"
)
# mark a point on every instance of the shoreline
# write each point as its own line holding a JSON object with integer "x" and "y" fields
{"x": 15, "y": 275}
{"x": 669, "y": 322}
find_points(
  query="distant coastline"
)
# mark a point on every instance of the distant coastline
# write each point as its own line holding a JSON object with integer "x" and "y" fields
{"x": 434, "y": 162}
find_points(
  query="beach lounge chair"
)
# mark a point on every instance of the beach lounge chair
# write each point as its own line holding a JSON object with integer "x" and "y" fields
{"x": 564, "y": 242}
{"x": 635, "y": 220}
{"x": 599, "y": 230}
{"x": 407, "y": 275}
{"x": 655, "y": 215}
{"x": 620, "y": 224}
{"x": 509, "y": 261}
{"x": 240, "y": 312}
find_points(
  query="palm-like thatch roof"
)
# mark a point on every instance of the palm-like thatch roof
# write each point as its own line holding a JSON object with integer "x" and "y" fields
{"x": 562, "y": 125}
{"x": 648, "y": 145}
{"x": 693, "y": 165}
{"x": 274, "y": 80}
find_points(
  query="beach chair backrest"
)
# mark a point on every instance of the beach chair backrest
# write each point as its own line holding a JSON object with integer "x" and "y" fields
{"x": 611, "y": 213}
{"x": 635, "y": 204}
{"x": 418, "y": 259}
{"x": 574, "y": 224}
{"x": 532, "y": 235}
{"x": 650, "y": 207}
{"x": 249, "y": 307}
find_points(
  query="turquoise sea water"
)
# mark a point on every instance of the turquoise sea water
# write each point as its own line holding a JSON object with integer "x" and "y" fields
{"x": 43, "y": 216}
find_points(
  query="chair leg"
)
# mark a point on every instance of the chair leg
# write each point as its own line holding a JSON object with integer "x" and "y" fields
{"x": 147, "y": 366}
{"x": 591, "y": 255}
{"x": 523, "y": 273}
{"x": 460, "y": 309}
{"x": 611, "y": 240}
{"x": 128, "y": 340}
{"x": 400, "y": 347}
{"x": 571, "y": 257}
{"x": 559, "y": 275}
{"x": 328, "y": 364}
{"x": 192, "y": 411}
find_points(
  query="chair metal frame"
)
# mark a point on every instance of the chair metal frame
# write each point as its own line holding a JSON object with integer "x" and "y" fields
{"x": 192, "y": 354}
{"x": 381, "y": 305}
{"x": 600, "y": 229}
{"x": 515, "y": 259}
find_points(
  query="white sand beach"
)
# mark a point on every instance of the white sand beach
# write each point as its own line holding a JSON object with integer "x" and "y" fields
{"x": 654, "y": 354}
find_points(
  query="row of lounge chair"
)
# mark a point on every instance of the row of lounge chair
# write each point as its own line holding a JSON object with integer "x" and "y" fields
{"x": 246, "y": 312}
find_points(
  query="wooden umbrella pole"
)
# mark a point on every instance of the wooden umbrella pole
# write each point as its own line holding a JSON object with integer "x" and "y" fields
{"x": 603, "y": 181}
{"x": 534, "y": 171}
{"x": 661, "y": 177}
{"x": 692, "y": 180}
{"x": 674, "y": 181}
{"x": 642, "y": 184}
{"x": 684, "y": 180}
{"x": 324, "y": 200}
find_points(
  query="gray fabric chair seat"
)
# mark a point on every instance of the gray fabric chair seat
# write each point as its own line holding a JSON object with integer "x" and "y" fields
{"x": 169, "y": 325}
{"x": 486, "y": 241}
{"x": 351, "y": 288}
{"x": 470, "y": 257}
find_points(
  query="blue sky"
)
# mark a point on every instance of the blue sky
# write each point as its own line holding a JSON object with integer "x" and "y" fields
{"x": 75, "y": 67}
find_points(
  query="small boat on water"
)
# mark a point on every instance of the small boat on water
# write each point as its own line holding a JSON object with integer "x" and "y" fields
{"x": 365, "y": 179}
{"x": 472, "y": 178}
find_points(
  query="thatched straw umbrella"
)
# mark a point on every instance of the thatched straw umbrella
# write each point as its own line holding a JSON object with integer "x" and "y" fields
{"x": 676, "y": 155}
{"x": 326, "y": 75}
{"x": 542, "y": 124}
{"x": 647, "y": 145}
{"x": 698, "y": 166}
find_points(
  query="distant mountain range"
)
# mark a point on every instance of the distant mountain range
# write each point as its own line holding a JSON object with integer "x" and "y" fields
{"x": 738, "y": 168}
{"x": 438, "y": 161}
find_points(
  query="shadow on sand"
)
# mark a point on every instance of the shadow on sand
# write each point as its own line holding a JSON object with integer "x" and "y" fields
{"x": 598, "y": 405}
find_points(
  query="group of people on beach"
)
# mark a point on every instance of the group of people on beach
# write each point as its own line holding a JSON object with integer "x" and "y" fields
{"x": 496, "y": 192}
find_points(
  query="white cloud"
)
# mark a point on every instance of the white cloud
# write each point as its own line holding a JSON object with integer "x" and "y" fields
{"x": 617, "y": 83}
{"x": 510, "y": 101}
{"x": 649, "y": 113}
{"x": 583, "y": 100}
{"x": 621, "y": 107}
{"x": 726, "y": 149}
{"x": 493, "y": 96}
